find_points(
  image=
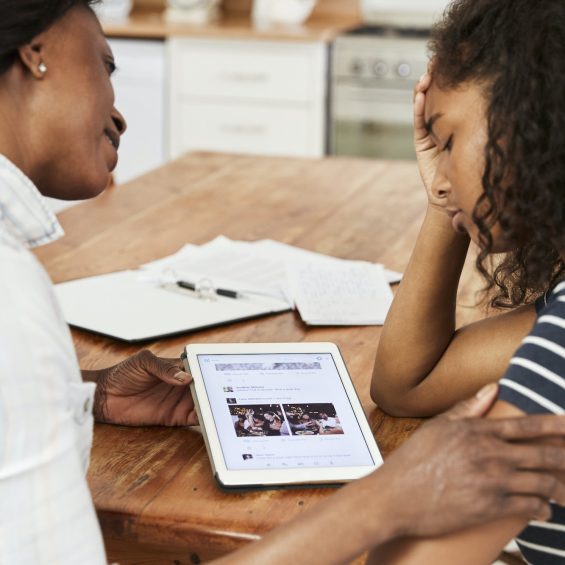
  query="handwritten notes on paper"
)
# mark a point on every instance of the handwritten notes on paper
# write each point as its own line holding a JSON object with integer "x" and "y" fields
{"x": 325, "y": 290}
{"x": 340, "y": 293}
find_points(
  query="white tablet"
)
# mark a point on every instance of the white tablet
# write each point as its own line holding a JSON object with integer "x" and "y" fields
{"x": 280, "y": 414}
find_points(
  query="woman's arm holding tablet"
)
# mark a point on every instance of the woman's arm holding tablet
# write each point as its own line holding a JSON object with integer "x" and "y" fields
{"x": 143, "y": 390}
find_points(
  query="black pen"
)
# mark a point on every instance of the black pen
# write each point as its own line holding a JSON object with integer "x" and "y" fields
{"x": 218, "y": 291}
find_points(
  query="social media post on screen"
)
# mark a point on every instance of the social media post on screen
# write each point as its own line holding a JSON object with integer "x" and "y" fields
{"x": 282, "y": 411}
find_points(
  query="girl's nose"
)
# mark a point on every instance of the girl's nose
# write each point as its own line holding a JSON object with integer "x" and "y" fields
{"x": 440, "y": 186}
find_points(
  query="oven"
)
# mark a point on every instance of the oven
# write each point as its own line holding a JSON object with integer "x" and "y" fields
{"x": 374, "y": 71}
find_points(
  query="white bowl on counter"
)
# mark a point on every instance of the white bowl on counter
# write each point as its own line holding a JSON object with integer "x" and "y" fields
{"x": 282, "y": 11}
{"x": 113, "y": 10}
{"x": 192, "y": 11}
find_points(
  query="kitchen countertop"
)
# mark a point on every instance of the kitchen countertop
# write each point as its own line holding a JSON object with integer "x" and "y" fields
{"x": 152, "y": 25}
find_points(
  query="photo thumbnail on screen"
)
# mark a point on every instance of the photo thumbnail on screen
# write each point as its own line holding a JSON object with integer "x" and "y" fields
{"x": 258, "y": 420}
{"x": 312, "y": 419}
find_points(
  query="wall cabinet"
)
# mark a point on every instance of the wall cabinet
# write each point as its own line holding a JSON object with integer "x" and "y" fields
{"x": 261, "y": 97}
{"x": 140, "y": 85}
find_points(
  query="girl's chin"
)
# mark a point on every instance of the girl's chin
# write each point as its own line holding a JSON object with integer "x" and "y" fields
{"x": 458, "y": 223}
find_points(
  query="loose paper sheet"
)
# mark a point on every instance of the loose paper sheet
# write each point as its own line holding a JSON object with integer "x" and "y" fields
{"x": 326, "y": 290}
{"x": 340, "y": 293}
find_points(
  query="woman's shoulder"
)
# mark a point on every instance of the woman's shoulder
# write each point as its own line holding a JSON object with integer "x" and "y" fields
{"x": 24, "y": 282}
{"x": 30, "y": 312}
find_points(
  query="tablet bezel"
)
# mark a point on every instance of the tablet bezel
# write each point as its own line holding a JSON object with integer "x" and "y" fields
{"x": 270, "y": 477}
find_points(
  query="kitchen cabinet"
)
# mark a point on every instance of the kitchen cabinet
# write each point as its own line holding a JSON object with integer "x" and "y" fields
{"x": 140, "y": 86}
{"x": 248, "y": 96}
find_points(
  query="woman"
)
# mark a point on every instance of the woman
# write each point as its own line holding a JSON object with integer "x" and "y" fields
{"x": 59, "y": 134}
{"x": 490, "y": 138}
{"x": 59, "y": 131}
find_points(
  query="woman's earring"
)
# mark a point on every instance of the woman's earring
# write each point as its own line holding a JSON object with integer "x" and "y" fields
{"x": 42, "y": 68}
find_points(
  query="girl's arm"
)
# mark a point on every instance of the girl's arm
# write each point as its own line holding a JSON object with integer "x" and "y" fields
{"x": 423, "y": 364}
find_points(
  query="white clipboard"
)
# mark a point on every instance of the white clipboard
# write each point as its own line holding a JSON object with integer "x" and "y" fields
{"x": 121, "y": 306}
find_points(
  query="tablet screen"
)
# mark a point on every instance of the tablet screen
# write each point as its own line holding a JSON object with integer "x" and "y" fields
{"x": 282, "y": 411}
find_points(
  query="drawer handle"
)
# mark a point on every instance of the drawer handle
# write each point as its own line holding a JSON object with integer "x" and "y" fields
{"x": 240, "y": 129}
{"x": 246, "y": 77}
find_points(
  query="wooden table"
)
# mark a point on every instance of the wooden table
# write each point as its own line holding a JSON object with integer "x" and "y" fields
{"x": 152, "y": 487}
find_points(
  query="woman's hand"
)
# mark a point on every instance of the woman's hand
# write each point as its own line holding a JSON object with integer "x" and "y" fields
{"x": 144, "y": 390}
{"x": 457, "y": 470}
{"x": 427, "y": 153}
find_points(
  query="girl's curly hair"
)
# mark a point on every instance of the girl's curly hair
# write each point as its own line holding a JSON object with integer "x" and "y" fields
{"x": 516, "y": 50}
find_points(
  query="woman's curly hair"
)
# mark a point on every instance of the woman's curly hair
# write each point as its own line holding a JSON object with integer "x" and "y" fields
{"x": 516, "y": 50}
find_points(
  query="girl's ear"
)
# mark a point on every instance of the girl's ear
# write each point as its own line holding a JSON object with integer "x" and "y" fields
{"x": 31, "y": 57}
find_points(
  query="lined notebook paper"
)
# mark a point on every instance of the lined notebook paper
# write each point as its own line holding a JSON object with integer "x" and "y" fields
{"x": 340, "y": 293}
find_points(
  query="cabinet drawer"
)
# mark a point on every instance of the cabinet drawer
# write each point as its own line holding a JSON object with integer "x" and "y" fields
{"x": 249, "y": 70}
{"x": 247, "y": 128}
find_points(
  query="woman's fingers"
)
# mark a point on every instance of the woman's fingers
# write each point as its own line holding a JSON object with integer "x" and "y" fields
{"x": 167, "y": 370}
{"x": 536, "y": 456}
{"x": 175, "y": 361}
{"x": 543, "y": 485}
{"x": 530, "y": 506}
{"x": 532, "y": 426}
{"x": 474, "y": 406}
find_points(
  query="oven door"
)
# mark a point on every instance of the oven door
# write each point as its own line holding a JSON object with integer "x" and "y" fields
{"x": 372, "y": 122}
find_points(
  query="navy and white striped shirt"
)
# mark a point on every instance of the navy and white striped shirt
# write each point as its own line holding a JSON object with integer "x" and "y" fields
{"x": 535, "y": 383}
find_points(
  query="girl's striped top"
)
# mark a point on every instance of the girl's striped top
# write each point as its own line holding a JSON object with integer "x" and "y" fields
{"x": 535, "y": 383}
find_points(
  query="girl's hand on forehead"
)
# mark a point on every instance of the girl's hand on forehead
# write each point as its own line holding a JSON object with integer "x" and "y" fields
{"x": 427, "y": 152}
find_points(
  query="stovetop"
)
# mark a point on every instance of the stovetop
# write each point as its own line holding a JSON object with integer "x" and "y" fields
{"x": 379, "y": 55}
{"x": 386, "y": 31}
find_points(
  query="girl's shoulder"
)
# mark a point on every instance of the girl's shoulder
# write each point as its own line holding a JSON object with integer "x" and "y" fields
{"x": 558, "y": 291}
{"x": 551, "y": 299}
{"x": 550, "y": 323}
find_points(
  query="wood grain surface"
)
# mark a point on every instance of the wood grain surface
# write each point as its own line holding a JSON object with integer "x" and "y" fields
{"x": 152, "y": 487}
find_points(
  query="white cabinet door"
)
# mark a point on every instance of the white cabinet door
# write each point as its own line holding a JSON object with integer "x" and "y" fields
{"x": 258, "y": 97}
{"x": 247, "y": 128}
{"x": 259, "y": 70}
{"x": 140, "y": 84}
